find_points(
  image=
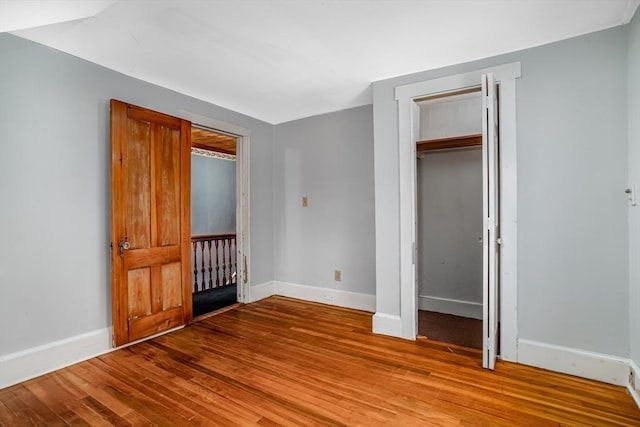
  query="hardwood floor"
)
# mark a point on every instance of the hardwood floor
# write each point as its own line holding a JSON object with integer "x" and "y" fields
{"x": 286, "y": 362}
{"x": 451, "y": 329}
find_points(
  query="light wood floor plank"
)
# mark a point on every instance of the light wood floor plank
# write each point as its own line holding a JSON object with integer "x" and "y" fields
{"x": 287, "y": 362}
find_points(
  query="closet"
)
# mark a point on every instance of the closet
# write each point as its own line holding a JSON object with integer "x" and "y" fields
{"x": 449, "y": 218}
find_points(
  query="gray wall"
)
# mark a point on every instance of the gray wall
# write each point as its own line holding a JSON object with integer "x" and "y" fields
{"x": 450, "y": 224}
{"x": 54, "y": 182}
{"x": 213, "y": 195}
{"x": 572, "y": 217}
{"x": 329, "y": 159}
{"x": 634, "y": 177}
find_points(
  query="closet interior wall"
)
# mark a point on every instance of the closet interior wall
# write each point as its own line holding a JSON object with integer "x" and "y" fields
{"x": 449, "y": 204}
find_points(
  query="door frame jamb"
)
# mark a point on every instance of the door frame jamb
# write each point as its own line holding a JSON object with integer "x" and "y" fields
{"x": 243, "y": 244}
{"x": 407, "y": 123}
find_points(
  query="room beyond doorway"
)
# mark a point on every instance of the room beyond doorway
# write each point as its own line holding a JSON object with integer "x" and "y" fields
{"x": 214, "y": 247}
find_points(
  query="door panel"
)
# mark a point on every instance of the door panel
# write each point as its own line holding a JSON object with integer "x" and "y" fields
{"x": 150, "y": 222}
{"x": 491, "y": 220}
{"x": 168, "y": 187}
{"x": 139, "y": 292}
{"x": 137, "y": 186}
{"x": 145, "y": 326}
{"x": 171, "y": 273}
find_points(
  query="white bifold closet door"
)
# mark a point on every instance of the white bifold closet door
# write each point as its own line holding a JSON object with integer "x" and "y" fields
{"x": 491, "y": 220}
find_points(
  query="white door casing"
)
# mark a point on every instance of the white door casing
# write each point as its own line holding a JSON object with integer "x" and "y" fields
{"x": 506, "y": 76}
{"x": 242, "y": 195}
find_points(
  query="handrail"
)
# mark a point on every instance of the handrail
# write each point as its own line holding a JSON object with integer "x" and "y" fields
{"x": 201, "y": 237}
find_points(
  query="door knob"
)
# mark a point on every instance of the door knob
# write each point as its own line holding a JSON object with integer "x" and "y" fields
{"x": 124, "y": 245}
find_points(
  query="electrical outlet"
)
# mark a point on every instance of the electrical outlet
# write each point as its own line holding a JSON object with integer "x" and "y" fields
{"x": 305, "y": 201}
{"x": 337, "y": 275}
{"x": 632, "y": 379}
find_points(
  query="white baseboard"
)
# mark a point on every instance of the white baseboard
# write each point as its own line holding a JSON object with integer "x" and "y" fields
{"x": 581, "y": 363}
{"x": 634, "y": 392}
{"x": 456, "y": 307}
{"x": 336, "y": 297}
{"x": 33, "y": 362}
{"x": 387, "y": 324}
{"x": 262, "y": 291}
{"x": 36, "y": 361}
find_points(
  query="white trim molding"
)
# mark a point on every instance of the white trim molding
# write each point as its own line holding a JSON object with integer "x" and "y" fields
{"x": 262, "y": 291}
{"x": 572, "y": 361}
{"x": 387, "y": 324}
{"x": 634, "y": 391}
{"x": 406, "y": 95}
{"x": 455, "y": 82}
{"x": 329, "y": 296}
{"x": 33, "y": 362}
{"x": 212, "y": 123}
{"x": 243, "y": 215}
{"x": 243, "y": 197}
{"x": 456, "y": 307}
{"x": 213, "y": 154}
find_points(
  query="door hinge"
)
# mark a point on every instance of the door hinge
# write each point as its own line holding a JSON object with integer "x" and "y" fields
{"x": 244, "y": 268}
{"x": 414, "y": 253}
{"x": 490, "y": 223}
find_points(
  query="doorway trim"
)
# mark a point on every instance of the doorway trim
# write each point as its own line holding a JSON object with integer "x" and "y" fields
{"x": 408, "y": 120}
{"x": 243, "y": 244}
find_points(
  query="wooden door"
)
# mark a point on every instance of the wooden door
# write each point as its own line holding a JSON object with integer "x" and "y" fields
{"x": 491, "y": 220}
{"x": 150, "y": 222}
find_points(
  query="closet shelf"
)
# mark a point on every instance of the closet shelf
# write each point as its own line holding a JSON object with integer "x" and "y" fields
{"x": 451, "y": 142}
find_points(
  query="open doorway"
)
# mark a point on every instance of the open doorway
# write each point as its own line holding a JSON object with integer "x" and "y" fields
{"x": 449, "y": 209}
{"x": 491, "y": 218}
{"x": 495, "y": 81}
{"x": 214, "y": 246}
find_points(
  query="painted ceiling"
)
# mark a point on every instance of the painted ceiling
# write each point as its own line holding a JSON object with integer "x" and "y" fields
{"x": 280, "y": 60}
